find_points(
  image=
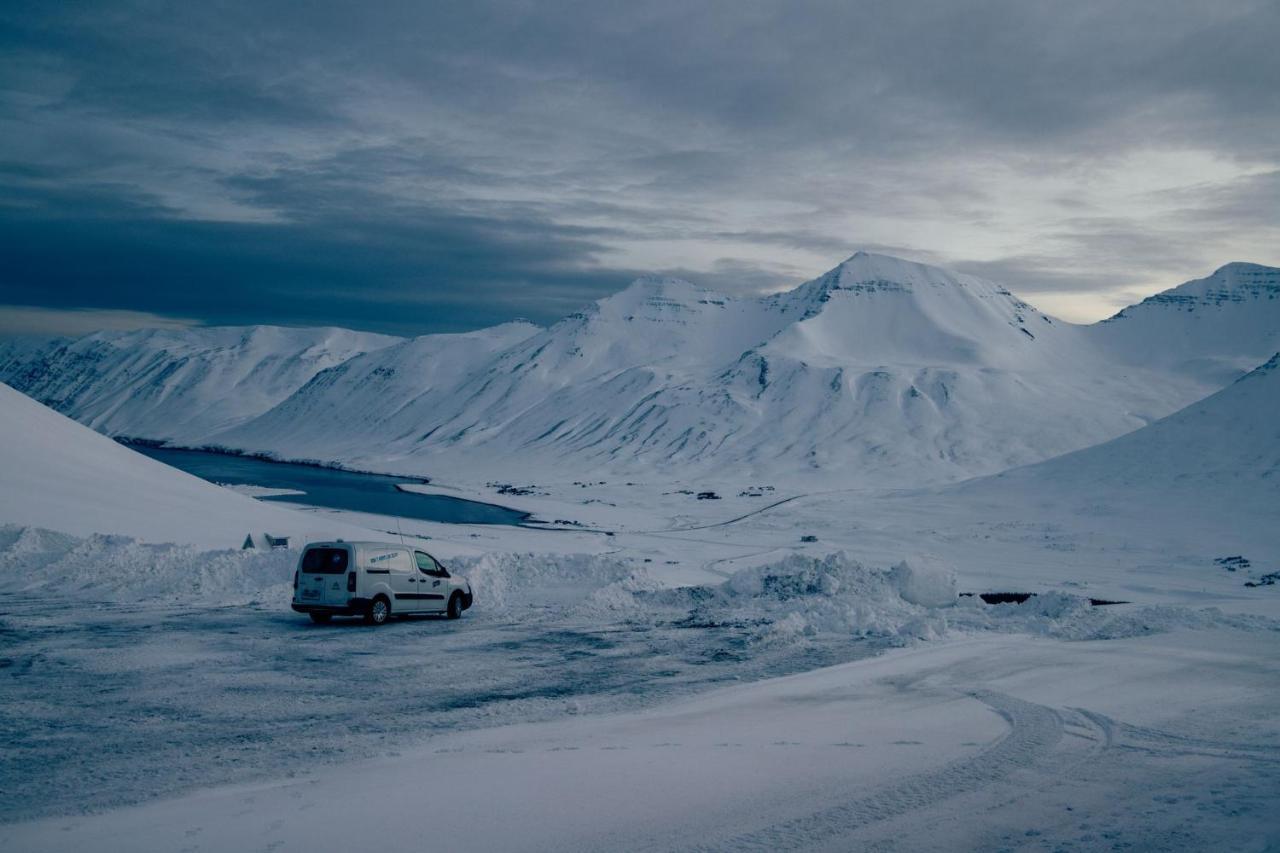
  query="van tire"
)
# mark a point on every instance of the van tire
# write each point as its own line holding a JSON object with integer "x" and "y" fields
{"x": 455, "y": 606}
{"x": 321, "y": 618}
{"x": 378, "y": 612}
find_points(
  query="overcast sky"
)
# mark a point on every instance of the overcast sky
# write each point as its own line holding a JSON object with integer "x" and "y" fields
{"x": 432, "y": 166}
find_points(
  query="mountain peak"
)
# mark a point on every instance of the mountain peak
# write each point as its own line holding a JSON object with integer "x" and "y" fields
{"x": 1236, "y": 267}
{"x": 652, "y": 294}
{"x": 662, "y": 284}
{"x": 1238, "y": 281}
{"x": 863, "y": 266}
{"x": 868, "y": 272}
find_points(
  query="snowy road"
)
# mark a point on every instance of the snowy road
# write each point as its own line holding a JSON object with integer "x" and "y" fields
{"x": 986, "y": 743}
{"x": 121, "y": 703}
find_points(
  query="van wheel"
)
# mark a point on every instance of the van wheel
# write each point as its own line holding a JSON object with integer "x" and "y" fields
{"x": 455, "y": 606}
{"x": 379, "y": 611}
{"x": 321, "y": 618}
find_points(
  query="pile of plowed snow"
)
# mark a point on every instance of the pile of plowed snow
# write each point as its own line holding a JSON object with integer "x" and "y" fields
{"x": 119, "y": 568}
{"x": 802, "y": 598}
{"x": 794, "y": 600}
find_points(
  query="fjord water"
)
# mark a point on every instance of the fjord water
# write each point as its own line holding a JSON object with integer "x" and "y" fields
{"x": 332, "y": 488}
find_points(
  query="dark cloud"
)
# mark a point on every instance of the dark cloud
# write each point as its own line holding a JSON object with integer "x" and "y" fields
{"x": 451, "y": 165}
{"x": 370, "y": 263}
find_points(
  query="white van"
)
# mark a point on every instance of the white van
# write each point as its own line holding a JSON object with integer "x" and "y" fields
{"x": 375, "y": 580}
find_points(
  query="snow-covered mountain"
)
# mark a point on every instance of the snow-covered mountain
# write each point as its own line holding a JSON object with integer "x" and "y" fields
{"x": 343, "y": 407}
{"x": 179, "y": 385}
{"x": 58, "y": 474}
{"x": 882, "y": 371}
{"x": 1213, "y": 328}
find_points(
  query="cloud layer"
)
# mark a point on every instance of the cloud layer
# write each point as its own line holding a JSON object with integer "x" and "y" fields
{"x": 420, "y": 167}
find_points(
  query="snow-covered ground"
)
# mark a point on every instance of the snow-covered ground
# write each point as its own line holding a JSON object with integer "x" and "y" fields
{"x": 852, "y": 705}
{"x": 244, "y": 729}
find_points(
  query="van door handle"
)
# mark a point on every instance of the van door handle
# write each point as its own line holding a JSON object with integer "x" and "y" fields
{"x": 413, "y": 580}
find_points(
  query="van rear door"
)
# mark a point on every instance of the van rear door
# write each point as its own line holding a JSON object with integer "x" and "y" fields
{"x": 323, "y": 578}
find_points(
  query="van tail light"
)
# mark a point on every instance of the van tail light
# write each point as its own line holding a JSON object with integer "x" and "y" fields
{"x": 351, "y": 582}
{"x": 295, "y": 578}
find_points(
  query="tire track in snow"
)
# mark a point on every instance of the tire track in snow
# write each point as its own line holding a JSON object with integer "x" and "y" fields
{"x": 1033, "y": 732}
{"x": 1156, "y": 741}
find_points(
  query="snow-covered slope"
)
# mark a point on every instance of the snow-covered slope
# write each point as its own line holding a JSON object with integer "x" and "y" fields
{"x": 177, "y": 384}
{"x": 57, "y": 474}
{"x": 1223, "y": 450}
{"x": 1213, "y": 328}
{"x": 882, "y": 370}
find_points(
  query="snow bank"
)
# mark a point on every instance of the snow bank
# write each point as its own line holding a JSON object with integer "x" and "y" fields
{"x": 794, "y": 600}
{"x": 506, "y": 582}
{"x": 799, "y": 596}
{"x": 119, "y": 568}
{"x": 803, "y": 598}
{"x": 1069, "y": 617}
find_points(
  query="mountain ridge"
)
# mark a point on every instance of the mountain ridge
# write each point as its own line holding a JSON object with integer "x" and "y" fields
{"x": 882, "y": 370}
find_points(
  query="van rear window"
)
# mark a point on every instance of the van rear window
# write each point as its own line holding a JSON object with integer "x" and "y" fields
{"x": 325, "y": 561}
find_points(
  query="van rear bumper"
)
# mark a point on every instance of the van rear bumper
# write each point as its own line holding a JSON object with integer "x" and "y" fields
{"x": 355, "y": 607}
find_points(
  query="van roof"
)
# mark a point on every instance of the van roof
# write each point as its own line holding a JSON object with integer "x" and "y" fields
{"x": 360, "y": 544}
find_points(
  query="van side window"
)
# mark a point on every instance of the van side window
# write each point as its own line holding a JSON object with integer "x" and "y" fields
{"x": 426, "y": 565}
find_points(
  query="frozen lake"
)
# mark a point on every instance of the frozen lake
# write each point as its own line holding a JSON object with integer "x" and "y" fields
{"x": 332, "y": 488}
